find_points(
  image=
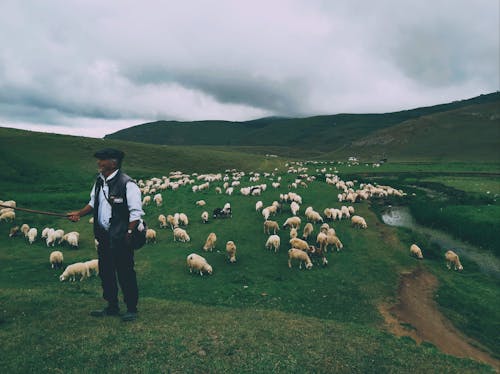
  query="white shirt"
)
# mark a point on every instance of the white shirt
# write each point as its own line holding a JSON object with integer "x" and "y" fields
{"x": 133, "y": 201}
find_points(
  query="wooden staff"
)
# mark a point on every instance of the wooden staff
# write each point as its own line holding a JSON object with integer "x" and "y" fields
{"x": 36, "y": 211}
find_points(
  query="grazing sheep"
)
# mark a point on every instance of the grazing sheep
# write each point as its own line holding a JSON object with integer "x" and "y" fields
{"x": 273, "y": 242}
{"x": 332, "y": 239}
{"x": 315, "y": 217}
{"x": 322, "y": 240}
{"x": 171, "y": 221}
{"x": 231, "y": 251}
{"x": 93, "y": 266}
{"x": 151, "y": 236}
{"x": 25, "y": 229}
{"x": 299, "y": 243}
{"x": 56, "y": 259}
{"x": 204, "y": 217}
{"x": 416, "y": 251}
{"x": 71, "y": 238}
{"x": 163, "y": 221}
{"x": 58, "y": 235}
{"x": 345, "y": 211}
{"x": 324, "y": 227}
{"x": 258, "y": 205}
{"x": 300, "y": 255}
{"x": 181, "y": 235}
{"x": 8, "y": 216}
{"x": 266, "y": 213}
{"x": 218, "y": 190}
{"x": 294, "y": 207}
{"x": 146, "y": 200}
{"x": 32, "y": 234}
{"x": 292, "y": 222}
{"x": 201, "y": 203}
{"x": 199, "y": 264}
{"x": 271, "y": 225}
{"x": 71, "y": 271}
{"x": 210, "y": 242}
{"x": 158, "y": 199}
{"x": 350, "y": 209}
{"x": 45, "y": 232}
{"x": 453, "y": 259}
{"x": 183, "y": 219}
{"x": 14, "y": 231}
{"x": 308, "y": 229}
{"x": 358, "y": 221}
{"x": 293, "y": 233}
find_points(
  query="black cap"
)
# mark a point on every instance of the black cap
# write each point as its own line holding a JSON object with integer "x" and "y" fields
{"x": 109, "y": 153}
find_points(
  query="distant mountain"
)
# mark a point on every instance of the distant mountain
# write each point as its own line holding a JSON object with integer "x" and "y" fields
{"x": 338, "y": 133}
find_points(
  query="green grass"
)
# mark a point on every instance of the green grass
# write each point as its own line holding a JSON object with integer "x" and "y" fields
{"x": 253, "y": 316}
{"x": 470, "y": 184}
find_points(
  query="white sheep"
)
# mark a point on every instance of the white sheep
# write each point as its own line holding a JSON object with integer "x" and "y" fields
{"x": 271, "y": 225}
{"x": 201, "y": 203}
{"x": 293, "y": 233}
{"x": 273, "y": 242}
{"x": 308, "y": 229}
{"x": 300, "y": 255}
{"x": 299, "y": 244}
{"x": 210, "y": 242}
{"x": 181, "y": 235}
{"x": 32, "y": 234}
{"x": 231, "y": 251}
{"x": 8, "y": 216}
{"x": 71, "y": 238}
{"x": 163, "y": 221}
{"x": 158, "y": 199}
{"x": 25, "y": 229}
{"x": 358, "y": 221}
{"x": 56, "y": 259}
{"x": 71, "y": 271}
{"x": 332, "y": 239}
{"x": 258, "y": 205}
{"x": 416, "y": 251}
{"x": 45, "y": 231}
{"x": 93, "y": 266}
{"x": 204, "y": 217}
{"x": 453, "y": 259}
{"x": 150, "y": 236}
{"x": 292, "y": 222}
{"x": 294, "y": 207}
{"x": 183, "y": 219}
{"x": 199, "y": 264}
{"x": 146, "y": 200}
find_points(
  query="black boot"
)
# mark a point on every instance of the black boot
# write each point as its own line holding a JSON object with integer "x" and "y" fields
{"x": 110, "y": 310}
{"x": 131, "y": 315}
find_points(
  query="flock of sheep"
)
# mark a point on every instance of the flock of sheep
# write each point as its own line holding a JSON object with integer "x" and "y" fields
{"x": 300, "y": 249}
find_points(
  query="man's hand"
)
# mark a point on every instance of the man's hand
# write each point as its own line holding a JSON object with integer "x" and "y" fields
{"x": 74, "y": 216}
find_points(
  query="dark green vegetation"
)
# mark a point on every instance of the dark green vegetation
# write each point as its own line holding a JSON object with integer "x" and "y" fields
{"x": 462, "y": 130}
{"x": 321, "y": 320}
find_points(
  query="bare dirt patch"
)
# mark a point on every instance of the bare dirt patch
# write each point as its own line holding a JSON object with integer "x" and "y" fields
{"x": 417, "y": 315}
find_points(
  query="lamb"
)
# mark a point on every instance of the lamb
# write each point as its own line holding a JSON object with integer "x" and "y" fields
{"x": 313, "y": 251}
{"x": 14, "y": 231}
{"x": 78, "y": 268}
{"x": 273, "y": 242}
{"x": 56, "y": 259}
{"x": 308, "y": 229}
{"x": 300, "y": 255}
{"x": 416, "y": 251}
{"x": 292, "y": 222}
{"x": 181, "y": 235}
{"x": 199, "y": 264}
{"x": 359, "y": 221}
{"x": 204, "y": 217}
{"x": 453, "y": 259}
{"x": 201, "y": 203}
{"x": 210, "y": 242}
{"x": 299, "y": 244}
{"x": 8, "y": 216}
{"x": 151, "y": 236}
{"x": 231, "y": 251}
{"x": 25, "y": 229}
{"x": 271, "y": 225}
{"x": 93, "y": 265}
{"x": 32, "y": 234}
{"x": 71, "y": 238}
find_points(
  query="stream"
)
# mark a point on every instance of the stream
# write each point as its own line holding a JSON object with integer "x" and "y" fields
{"x": 401, "y": 216}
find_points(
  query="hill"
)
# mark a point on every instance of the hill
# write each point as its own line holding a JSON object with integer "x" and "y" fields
{"x": 334, "y": 132}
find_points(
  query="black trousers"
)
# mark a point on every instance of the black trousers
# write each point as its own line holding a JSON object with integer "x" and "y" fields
{"x": 117, "y": 261}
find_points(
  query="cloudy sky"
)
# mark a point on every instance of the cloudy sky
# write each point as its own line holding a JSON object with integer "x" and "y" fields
{"x": 89, "y": 68}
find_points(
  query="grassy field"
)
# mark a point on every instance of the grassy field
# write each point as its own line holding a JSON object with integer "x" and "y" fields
{"x": 253, "y": 316}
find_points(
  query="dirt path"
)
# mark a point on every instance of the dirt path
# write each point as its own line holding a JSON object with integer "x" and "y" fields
{"x": 416, "y": 307}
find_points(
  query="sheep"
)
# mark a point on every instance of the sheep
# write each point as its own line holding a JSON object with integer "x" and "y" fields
{"x": 324, "y": 227}
{"x": 416, "y": 251}
{"x": 25, "y": 229}
{"x": 163, "y": 221}
{"x": 56, "y": 259}
{"x": 299, "y": 244}
{"x": 181, "y": 234}
{"x": 158, "y": 199}
{"x": 313, "y": 251}
{"x": 294, "y": 207}
{"x": 292, "y": 222}
{"x": 199, "y": 264}
{"x": 8, "y": 216}
{"x": 201, "y": 203}
{"x": 204, "y": 217}
{"x": 14, "y": 231}
{"x": 45, "y": 232}
{"x": 266, "y": 213}
{"x": 71, "y": 271}
{"x": 350, "y": 209}
{"x": 183, "y": 219}
{"x": 273, "y": 242}
{"x": 345, "y": 211}
{"x": 453, "y": 259}
{"x": 271, "y": 225}
{"x": 146, "y": 200}
{"x": 300, "y": 255}
{"x": 258, "y": 205}
{"x": 171, "y": 221}
{"x": 218, "y": 190}
{"x": 231, "y": 251}
{"x": 58, "y": 235}
{"x": 32, "y": 234}
{"x": 315, "y": 217}
{"x": 210, "y": 242}
{"x": 293, "y": 233}
{"x": 91, "y": 220}
{"x": 359, "y": 221}
{"x": 308, "y": 229}
{"x": 332, "y": 239}
{"x": 151, "y": 236}
{"x": 71, "y": 238}
{"x": 322, "y": 240}
{"x": 93, "y": 266}
{"x": 328, "y": 213}
{"x": 227, "y": 208}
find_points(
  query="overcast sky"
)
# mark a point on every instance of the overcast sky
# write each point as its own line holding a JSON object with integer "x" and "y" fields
{"x": 92, "y": 67}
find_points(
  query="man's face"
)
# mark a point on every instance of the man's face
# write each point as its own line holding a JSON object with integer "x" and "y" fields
{"x": 105, "y": 166}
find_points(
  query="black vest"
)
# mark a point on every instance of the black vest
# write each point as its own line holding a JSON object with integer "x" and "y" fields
{"x": 117, "y": 197}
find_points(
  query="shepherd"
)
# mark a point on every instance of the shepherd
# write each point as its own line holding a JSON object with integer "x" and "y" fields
{"x": 115, "y": 200}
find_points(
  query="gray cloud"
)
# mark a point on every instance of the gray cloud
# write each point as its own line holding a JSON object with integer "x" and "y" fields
{"x": 108, "y": 64}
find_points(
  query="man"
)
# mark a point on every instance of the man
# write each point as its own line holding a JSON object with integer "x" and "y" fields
{"x": 115, "y": 201}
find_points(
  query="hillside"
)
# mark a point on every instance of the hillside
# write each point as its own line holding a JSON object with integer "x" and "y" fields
{"x": 331, "y": 133}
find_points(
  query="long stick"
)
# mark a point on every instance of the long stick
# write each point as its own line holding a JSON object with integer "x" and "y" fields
{"x": 35, "y": 211}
